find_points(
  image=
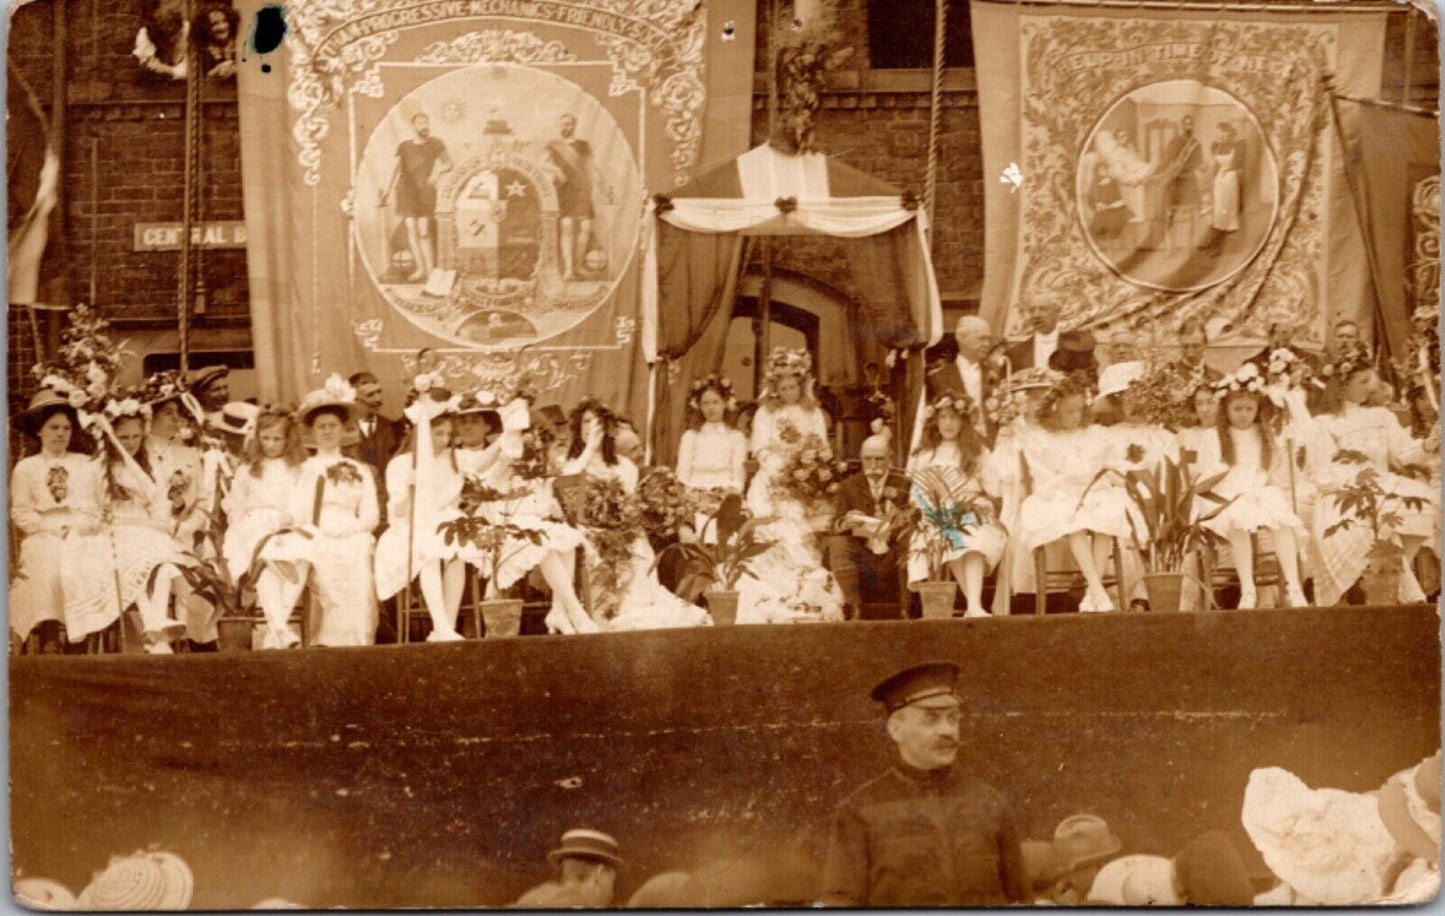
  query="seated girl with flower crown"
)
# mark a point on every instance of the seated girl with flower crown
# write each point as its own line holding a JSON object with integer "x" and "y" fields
{"x": 712, "y": 454}
{"x": 951, "y": 444}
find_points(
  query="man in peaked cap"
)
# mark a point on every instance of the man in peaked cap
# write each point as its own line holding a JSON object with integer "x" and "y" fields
{"x": 923, "y": 833}
{"x": 587, "y": 862}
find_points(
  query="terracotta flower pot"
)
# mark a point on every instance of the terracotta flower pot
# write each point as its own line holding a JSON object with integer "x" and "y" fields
{"x": 502, "y": 617}
{"x": 1164, "y": 590}
{"x": 936, "y": 597}
{"x": 235, "y": 633}
{"x": 1381, "y": 580}
{"x": 723, "y": 606}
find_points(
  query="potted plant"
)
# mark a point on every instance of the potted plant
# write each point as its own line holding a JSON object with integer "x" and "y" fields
{"x": 714, "y": 570}
{"x": 1364, "y": 501}
{"x": 1172, "y": 504}
{"x": 947, "y": 511}
{"x": 494, "y": 533}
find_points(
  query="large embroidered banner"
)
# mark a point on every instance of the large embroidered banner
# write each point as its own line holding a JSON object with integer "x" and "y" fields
{"x": 469, "y": 177}
{"x": 1149, "y": 167}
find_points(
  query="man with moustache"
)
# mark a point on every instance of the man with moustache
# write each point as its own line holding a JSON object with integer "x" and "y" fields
{"x": 925, "y": 833}
{"x": 1043, "y": 339}
{"x": 969, "y": 372}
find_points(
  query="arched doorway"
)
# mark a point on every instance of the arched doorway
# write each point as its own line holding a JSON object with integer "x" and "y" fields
{"x": 804, "y": 314}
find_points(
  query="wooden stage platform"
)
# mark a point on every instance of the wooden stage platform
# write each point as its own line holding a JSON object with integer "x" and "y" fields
{"x": 441, "y": 774}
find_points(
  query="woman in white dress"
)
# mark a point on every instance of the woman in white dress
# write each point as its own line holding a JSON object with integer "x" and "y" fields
{"x": 951, "y": 443}
{"x": 641, "y": 601}
{"x": 1255, "y": 467}
{"x": 109, "y": 571}
{"x": 1389, "y": 449}
{"x": 333, "y": 510}
{"x": 712, "y": 455}
{"x": 423, "y": 487}
{"x": 259, "y": 504}
{"x": 517, "y": 463}
{"x": 51, "y": 499}
{"x": 1194, "y": 439}
{"x": 789, "y": 582}
{"x": 1063, "y": 455}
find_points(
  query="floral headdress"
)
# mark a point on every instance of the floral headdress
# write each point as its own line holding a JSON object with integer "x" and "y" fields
{"x": 1286, "y": 368}
{"x": 786, "y": 361}
{"x": 162, "y": 386}
{"x": 117, "y": 409}
{"x": 958, "y": 401}
{"x": 722, "y": 383}
{"x": 1348, "y": 360}
{"x": 1247, "y": 378}
{"x": 86, "y": 364}
{"x": 1062, "y": 387}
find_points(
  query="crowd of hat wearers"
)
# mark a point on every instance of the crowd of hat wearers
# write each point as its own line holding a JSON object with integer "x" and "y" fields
{"x": 925, "y": 834}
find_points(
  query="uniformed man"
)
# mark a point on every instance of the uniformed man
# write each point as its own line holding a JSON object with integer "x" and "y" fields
{"x": 924, "y": 833}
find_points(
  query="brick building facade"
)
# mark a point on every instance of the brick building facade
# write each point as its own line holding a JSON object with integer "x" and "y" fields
{"x": 123, "y": 157}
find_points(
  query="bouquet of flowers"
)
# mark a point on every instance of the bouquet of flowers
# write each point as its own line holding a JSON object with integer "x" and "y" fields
{"x": 810, "y": 474}
{"x": 664, "y": 503}
{"x": 1162, "y": 395}
{"x": 343, "y": 472}
{"x": 493, "y": 532}
{"x": 882, "y": 412}
{"x": 613, "y": 520}
{"x": 1285, "y": 370}
{"x": 86, "y": 363}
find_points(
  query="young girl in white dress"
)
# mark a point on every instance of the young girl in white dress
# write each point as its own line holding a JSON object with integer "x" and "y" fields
{"x": 789, "y": 582}
{"x": 641, "y": 602}
{"x": 259, "y": 504}
{"x": 1063, "y": 456}
{"x": 334, "y": 510}
{"x": 1387, "y": 445}
{"x": 951, "y": 443}
{"x": 712, "y": 454}
{"x": 52, "y": 497}
{"x": 423, "y": 487}
{"x": 109, "y": 571}
{"x": 1194, "y": 439}
{"x": 552, "y": 548}
{"x": 1255, "y": 466}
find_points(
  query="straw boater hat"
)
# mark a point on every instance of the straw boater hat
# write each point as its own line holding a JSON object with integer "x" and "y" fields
{"x": 43, "y": 894}
{"x": 41, "y": 404}
{"x": 337, "y": 393}
{"x": 1329, "y": 845}
{"x": 144, "y": 881}
{"x": 239, "y": 418}
{"x": 592, "y": 845}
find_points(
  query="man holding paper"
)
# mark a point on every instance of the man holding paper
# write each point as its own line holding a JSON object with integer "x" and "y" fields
{"x": 860, "y": 550}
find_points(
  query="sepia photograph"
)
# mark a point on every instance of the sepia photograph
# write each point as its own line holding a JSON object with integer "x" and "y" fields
{"x": 722, "y": 454}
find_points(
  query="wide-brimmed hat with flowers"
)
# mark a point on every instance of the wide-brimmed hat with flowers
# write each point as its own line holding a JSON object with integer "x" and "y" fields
{"x": 42, "y": 404}
{"x": 152, "y": 880}
{"x": 336, "y": 394}
{"x": 161, "y": 387}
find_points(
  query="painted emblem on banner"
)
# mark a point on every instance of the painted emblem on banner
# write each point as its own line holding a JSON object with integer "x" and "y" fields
{"x": 497, "y": 206}
{"x": 1176, "y": 187}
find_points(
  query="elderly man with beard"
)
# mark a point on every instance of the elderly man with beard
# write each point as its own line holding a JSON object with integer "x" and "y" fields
{"x": 925, "y": 833}
{"x": 860, "y": 550}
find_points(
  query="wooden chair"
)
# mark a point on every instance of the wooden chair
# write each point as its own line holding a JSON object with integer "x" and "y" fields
{"x": 1070, "y": 579}
{"x": 1267, "y": 572}
{"x": 561, "y": 487}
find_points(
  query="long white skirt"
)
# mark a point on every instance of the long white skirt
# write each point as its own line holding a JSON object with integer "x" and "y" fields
{"x": 338, "y": 569}
{"x": 122, "y": 558}
{"x": 35, "y": 593}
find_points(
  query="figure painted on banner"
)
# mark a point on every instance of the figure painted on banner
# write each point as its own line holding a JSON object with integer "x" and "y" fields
{"x": 926, "y": 833}
{"x": 216, "y": 32}
{"x": 1180, "y": 168}
{"x": 1130, "y": 169}
{"x": 1227, "y": 159}
{"x": 574, "y": 171}
{"x": 1108, "y": 212}
{"x": 160, "y": 45}
{"x": 419, "y": 163}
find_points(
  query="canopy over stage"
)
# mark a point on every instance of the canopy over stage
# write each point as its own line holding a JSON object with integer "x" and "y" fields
{"x": 442, "y": 774}
{"x": 695, "y": 257}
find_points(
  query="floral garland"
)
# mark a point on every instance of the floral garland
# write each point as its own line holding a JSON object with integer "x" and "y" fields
{"x": 959, "y": 402}
{"x": 162, "y": 386}
{"x": 1348, "y": 360}
{"x": 786, "y": 361}
{"x": 1162, "y": 396}
{"x": 811, "y": 475}
{"x": 806, "y": 54}
{"x": 1247, "y": 378}
{"x": 722, "y": 383}
{"x": 1286, "y": 369}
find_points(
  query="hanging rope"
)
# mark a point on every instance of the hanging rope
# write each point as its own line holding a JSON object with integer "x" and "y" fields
{"x": 186, "y": 270}
{"x": 935, "y": 112}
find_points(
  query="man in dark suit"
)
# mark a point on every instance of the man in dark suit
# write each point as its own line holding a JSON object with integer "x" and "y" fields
{"x": 378, "y": 436}
{"x": 1192, "y": 344}
{"x": 971, "y": 371}
{"x": 1043, "y": 339}
{"x": 858, "y": 552}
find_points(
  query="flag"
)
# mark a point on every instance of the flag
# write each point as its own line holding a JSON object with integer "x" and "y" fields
{"x": 33, "y": 191}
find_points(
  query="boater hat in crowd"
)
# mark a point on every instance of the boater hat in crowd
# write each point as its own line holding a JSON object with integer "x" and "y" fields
{"x": 1084, "y": 839}
{"x": 239, "y": 418}
{"x": 41, "y": 403}
{"x": 144, "y": 881}
{"x": 592, "y": 845}
{"x": 933, "y": 683}
{"x": 337, "y": 394}
{"x": 1075, "y": 352}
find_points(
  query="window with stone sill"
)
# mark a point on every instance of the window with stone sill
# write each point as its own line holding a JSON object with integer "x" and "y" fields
{"x": 900, "y": 35}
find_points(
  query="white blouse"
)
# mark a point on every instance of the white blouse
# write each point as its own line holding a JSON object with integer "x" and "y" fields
{"x": 348, "y": 496}
{"x": 267, "y": 496}
{"x": 51, "y": 494}
{"x": 712, "y": 456}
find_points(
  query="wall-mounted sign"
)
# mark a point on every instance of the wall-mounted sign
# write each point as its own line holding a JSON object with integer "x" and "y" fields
{"x": 209, "y": 234}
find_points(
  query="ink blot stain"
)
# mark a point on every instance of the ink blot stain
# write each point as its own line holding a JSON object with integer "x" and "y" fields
{"x": 268, "y": 30}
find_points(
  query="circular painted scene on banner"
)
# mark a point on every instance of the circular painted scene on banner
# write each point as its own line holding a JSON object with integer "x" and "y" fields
{"x": 497, "y": 206}
{"x": 1177, "y": 188}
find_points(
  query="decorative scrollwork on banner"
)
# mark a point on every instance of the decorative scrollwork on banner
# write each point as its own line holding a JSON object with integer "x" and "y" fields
{"x": 1425, "y": 268}
{"x": 496, "y": 45}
